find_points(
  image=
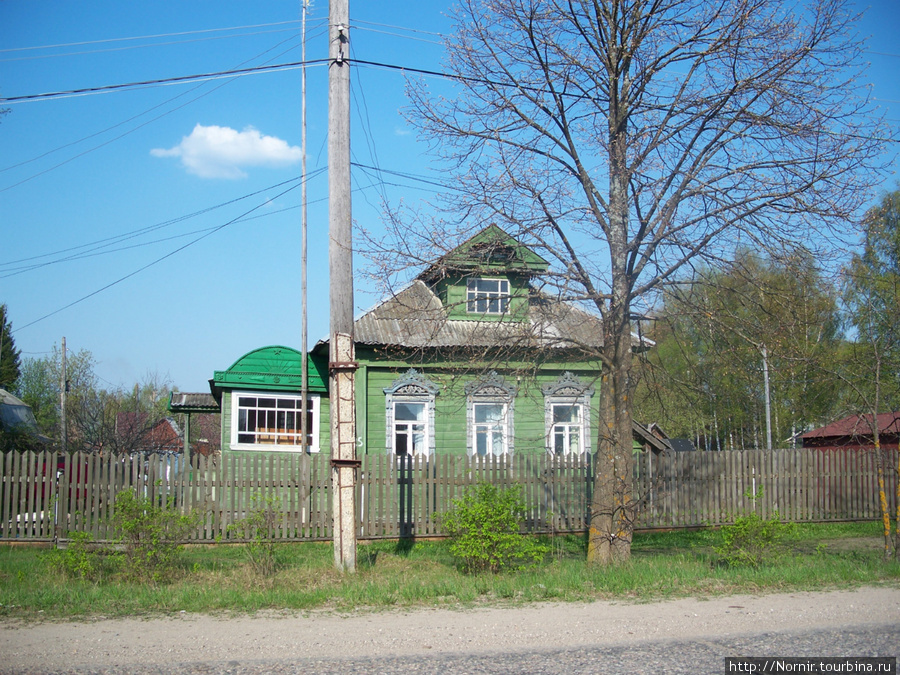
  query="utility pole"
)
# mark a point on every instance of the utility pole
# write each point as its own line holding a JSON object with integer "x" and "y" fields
{"x": 63, "y": 386}
{"x": 304, "y": 375}
{"x": 342, "y": 353}
{"x": 765, "y": 357}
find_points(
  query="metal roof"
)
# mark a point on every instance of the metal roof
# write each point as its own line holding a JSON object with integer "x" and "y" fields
{"x": 415, "y": 317}
{"x": 857, "y": 426}
{"x": 181, "y": 401}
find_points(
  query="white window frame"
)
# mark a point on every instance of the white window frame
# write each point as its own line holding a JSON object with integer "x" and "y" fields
{"x": 490, "y": 390}
{"x": 566, "y": 428}
{"x": 411, "y": 428}
{"x": 410, "y": 388}
{"x": 280, "y": 441}
{"x": 489, "y": 429}
{"x": 568, "y": 390}
{"x": 484, "y": 301}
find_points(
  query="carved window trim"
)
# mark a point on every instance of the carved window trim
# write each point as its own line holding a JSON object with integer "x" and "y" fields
{"x": 411, "y": 387}
{"x": 570, "y": 390}
{"x": 490, "y": 390}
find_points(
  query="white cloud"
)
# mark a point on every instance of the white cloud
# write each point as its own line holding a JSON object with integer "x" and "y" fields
{"x": 222, "y": 152}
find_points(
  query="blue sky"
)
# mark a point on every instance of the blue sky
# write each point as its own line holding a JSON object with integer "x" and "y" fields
{"x": 154, "y": 226}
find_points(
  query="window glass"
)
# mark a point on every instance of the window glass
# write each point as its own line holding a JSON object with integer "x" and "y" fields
{"x": 261, "y": 422}
{"x": 490, "y": 429}
{"x": 409, "y": 411}
{"x": 410, "y": 429}
{"x": 487, "y": 296}
{"x": 567, "y": 429}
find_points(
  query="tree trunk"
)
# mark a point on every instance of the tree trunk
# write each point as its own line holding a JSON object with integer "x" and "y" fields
{"x": 882, "y": 499}
{"x": 612, "y": 506}
{"x": 897, "y": 500}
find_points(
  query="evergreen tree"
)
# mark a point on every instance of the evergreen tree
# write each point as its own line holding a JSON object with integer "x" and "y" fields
{"x": 9, "y": 355}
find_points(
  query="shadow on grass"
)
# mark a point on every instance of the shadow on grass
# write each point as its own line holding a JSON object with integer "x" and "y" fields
{"x": 405, "y": 546}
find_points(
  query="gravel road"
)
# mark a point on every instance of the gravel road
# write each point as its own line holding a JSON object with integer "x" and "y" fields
{"x": 535, "y": 638}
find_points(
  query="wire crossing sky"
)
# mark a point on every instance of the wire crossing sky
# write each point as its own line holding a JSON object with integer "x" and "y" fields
{"x": 150, "y": 154}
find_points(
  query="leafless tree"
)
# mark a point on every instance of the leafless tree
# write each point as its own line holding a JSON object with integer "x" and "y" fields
{"x": 626, "y": 139}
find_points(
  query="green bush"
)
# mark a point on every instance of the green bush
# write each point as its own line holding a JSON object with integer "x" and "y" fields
{"x": 258, "y": 530}
{"x": 82, "y": 558}
{"x": 484, "y": 530}
{"x": 151, "y": 536}
{"x": 753, "y": 541}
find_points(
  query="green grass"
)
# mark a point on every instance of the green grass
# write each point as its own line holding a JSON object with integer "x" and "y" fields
{"x": 218, "y": 579}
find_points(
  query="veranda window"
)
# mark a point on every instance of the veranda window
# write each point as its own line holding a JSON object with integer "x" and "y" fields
{"x": 273, "y": 422}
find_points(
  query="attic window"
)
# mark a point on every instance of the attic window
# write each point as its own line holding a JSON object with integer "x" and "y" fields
{"x": 493, "y": 252}
{"x": 487, "y": 296}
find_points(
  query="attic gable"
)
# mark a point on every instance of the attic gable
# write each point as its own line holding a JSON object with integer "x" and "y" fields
{"x": 491, "y": 251}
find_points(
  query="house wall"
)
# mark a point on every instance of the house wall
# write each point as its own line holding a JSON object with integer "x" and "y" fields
{"x": 450, "y": 422}
{"x": 453, "y": 294}
{"x": 450, "y": 403}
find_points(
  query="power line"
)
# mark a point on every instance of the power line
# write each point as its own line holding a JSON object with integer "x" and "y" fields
{"x": 300, "y": 64}
{"x": 147, "y": 37}
{"x": 96, "y": 247}
{"x": 145, "y": 46}
{"x": 408, "y": 176}
{"x": 158, "y": 260}
{"x": 162, "y": 81}
{"x": 132, "y": 130}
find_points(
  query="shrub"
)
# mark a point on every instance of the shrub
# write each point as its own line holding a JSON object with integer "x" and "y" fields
{"x": 151, "y": 536}
{"x": 258, "y": 530}
{"x": 753, "y": 541}
{"x": 81, "y": 559}
{"x": 484, "y": 530}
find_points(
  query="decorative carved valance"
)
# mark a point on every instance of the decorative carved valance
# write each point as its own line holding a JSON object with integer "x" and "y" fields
{"x": 491, "y": 385}
{"x": 412, "y": 383}
{"x": 569, "y": 385}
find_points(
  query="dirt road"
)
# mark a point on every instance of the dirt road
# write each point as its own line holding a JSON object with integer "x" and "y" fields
{"x": 196, "y": 639}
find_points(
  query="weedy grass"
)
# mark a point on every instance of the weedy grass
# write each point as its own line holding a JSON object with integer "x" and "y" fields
{"x": 220, "y": 579}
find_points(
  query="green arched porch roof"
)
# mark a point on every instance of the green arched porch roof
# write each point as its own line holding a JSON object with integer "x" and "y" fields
{"x": 273, "y": 368}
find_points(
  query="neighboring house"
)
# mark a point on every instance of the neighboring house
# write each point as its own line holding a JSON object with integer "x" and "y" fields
{"x": 469, "y": 359}
{"x": 202, "y": 433}
{"x": 15, "y": 414}
{"x": 855, "y": 433}
{"x": 135, "y": 433}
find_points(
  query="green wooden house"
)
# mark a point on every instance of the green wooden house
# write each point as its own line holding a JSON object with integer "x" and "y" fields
{"x": 469, "y": 359}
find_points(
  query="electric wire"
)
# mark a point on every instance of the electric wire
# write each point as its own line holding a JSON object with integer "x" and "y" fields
{"x": 362, "y": 110}
{"x": 320, "y": 62}
{"x": 104, "y": 246}
{"x": 132, "y": 130}
{"x": 158, "y": 260}
{"x": 147, "y": 37}
{"x": 237, "y": 72}
{"x": 145, "y": 46}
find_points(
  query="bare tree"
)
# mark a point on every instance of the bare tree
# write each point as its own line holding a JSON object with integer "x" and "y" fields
{"x": 624, "y": 139}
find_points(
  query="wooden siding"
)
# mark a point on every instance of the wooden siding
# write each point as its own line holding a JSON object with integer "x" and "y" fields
{"x": 529, "y": 424}
{"x": 45, "y": 496}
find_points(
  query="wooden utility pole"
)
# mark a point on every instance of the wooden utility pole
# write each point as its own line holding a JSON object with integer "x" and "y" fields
{"x": 342, "y": 355}
{"x": 304, "y": 337}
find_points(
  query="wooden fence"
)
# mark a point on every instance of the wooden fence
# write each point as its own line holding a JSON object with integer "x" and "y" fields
{"x": 46, "y": 496}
